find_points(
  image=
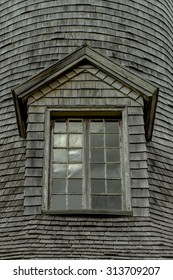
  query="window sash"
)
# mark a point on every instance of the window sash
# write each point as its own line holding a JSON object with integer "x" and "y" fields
{"x": 88, "y": 138}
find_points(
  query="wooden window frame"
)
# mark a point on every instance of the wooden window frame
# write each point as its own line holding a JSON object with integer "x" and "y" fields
{"x": 88, "y": 112}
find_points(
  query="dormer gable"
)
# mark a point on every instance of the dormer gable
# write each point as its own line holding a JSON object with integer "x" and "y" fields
{"x": 120, "y": 81}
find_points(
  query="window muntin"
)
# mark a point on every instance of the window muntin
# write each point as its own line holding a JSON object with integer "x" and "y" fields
{"x": 86, "y": 168}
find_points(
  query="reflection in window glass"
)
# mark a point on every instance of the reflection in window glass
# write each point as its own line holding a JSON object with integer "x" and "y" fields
{"x": 60, "y": 127}
{"x": 60, "y": 140}
{"x": 60, "y": 155}
{"x": 59, "y": 170}
{"x": 97, "y": 127}
{"x": 75, "y": 140}
{"x": 74, "y": 170}
{"x": 75, "y": 127}
{"x": 86, "y": 169}
{"x": 75, "y": 155}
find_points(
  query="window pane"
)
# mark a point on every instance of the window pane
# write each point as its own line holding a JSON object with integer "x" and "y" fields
{"x": 75, "y": 171}
{"x": 60, "y": 127}
{"x": 74, "y": 186}
{"x": 75, "y": 140}
{"x": 97, "y": 126}
{"x": 60, "y": 140}
{"x": 59, "y": 186}
{"x": 75, "y": 155}
{"x": 114, "y": 186}
{"x": 112, "y": 127}
{"x": 59, "y": 170}
{"x": 112, "y": 140}
{"x": 98, "y": 202}
{"x": 113, "y": 171}
{"x": 75, "y": 126}
{"x": 74, "y": 202}
{"x": 113, "y": 155}
{"x": 58, "y": 202}
{"x": 97, "y": 186}
{"x": 106, "y": 202}
{"x": 60, "y": 155}
{"x": 97, "y": 170}
{"x": 114, "y": 203}
{"x": 97, "y": 155}
{"x": 97, "y": 140}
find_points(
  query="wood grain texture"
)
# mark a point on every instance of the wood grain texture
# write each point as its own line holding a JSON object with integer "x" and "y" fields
{"x": 137, "y": 35}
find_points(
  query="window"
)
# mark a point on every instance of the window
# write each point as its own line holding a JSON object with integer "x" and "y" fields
{"x": 86, "y": 164}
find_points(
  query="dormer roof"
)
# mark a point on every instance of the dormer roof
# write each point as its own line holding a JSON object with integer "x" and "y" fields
{"x": 83, "y": 55}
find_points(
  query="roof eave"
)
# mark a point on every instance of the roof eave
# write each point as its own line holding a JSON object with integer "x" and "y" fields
{"x": 148, "y": 91}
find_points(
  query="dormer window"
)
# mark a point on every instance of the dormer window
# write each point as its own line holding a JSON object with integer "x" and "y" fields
{"x": 88, "y": 169}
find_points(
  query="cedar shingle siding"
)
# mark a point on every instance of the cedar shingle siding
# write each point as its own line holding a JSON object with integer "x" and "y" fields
{"x": 137, "y": 35}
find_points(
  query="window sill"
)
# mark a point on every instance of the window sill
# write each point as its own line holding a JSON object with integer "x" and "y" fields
{"x": 88, "y": 212}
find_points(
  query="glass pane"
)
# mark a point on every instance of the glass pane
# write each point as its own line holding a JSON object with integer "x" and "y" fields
{"x": 97, "y": 126}
{"x": 60, "y": 155}
{"x": 97, "y": 140}
{"x": 114, "y": 203}
{"x": 113, "y": 171}
{"x": 112, "y": 140}
{"x": 97, "y": 155}
{"x": 74, "y": 202}
{"x": 75, "y": 155}
{"x": 113, "y": 155}
{"x": 114, "y": 186}
{"x": 75, "y": 140}
{"x": 59, "y": 170}
{"x": 60, "y": 127}
{"x": 75, "y": 171}
{"x": 106, "y": 202}
{"x": 59, "y": 186}
{"x": 75, "y": 126}
{"x": 97, "y": 170}
{"x": 74, "y": 186}
{"x": 98, "y": 202}
{"x": 60, "y": 140}
{"x": 112, "y": 127}
{"x": 97, "y": 186}
{"x": 58, "y": 202}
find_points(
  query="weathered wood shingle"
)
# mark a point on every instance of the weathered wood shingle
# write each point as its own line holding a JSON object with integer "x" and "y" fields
{"x": 136, "y": 34}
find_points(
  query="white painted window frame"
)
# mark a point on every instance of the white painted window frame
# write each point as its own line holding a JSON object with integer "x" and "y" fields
{"x": 125, "y": 161}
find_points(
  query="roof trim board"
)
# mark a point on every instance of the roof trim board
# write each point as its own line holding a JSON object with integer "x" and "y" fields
{"x": 148, "y": 91}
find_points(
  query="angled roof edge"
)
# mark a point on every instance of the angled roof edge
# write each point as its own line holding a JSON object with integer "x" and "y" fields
{"x": 135, "y": 82}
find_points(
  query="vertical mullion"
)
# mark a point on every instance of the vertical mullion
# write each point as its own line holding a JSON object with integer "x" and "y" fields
{"x": 86, "y": 163}
{"x": 67, "y": 147}
{"x": 121, "y": 160}
{"x": 51, "y": 161}
{"x": 105, "y": 159}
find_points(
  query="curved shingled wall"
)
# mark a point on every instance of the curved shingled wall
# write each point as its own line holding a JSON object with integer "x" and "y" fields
{"x": 138, "y": 35}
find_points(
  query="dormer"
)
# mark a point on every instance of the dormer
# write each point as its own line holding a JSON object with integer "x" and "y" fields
{"x": 86, "y": 121}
